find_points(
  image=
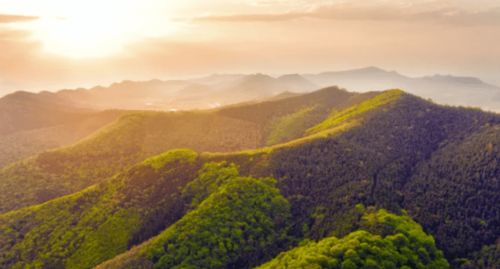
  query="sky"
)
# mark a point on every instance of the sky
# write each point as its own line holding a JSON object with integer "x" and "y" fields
{"x": 54, "y": 44}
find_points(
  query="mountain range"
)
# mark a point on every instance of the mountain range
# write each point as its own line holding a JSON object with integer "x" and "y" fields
{"x": 33, "y": 122}
{"x": 443, "y": 89}
{"x": 223, "y": 89}
{"x": 276, "y": 177}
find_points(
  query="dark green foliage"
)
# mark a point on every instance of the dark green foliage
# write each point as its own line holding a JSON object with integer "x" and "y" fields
{"x": 455, "y": 194}
{"x": 372, "y": 164}
{"x": 487, "y": 258}
{"x": 392, "y": 160}
{"x": 240, "y": 224}
{"x": 388, "y": 241}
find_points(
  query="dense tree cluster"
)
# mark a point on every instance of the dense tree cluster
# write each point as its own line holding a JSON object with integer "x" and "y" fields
{"x": 387, "y": 241}
{"x": 240, "y": 224}
{"x": 455, "y": 194}
{"x": 487, "y": 258}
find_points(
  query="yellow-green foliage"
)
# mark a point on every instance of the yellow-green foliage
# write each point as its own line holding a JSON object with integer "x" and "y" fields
{"x": 242, "y": 222}
{"x": 55, "y": 231}
{"x": 183, "y": 155}
{"x": 387, "y": 241}
{"x": 110, "y": 238}
{"x": 290, "y": 126}
{"x": 353, "y": 112}
{"x": 209, "y": 179}
{"x": 86, "y": 228}
{"x": 239, "y": 219}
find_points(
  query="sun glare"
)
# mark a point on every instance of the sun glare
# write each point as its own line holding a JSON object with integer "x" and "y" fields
{"x": 90, "y": 29}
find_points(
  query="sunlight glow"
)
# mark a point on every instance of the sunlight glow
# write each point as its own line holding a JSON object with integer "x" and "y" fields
{"x": 90, "y": 29}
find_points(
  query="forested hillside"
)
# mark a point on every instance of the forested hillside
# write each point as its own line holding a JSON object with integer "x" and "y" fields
{"x": 139, "y": 135}
{"x": 91, "y": 226}
{"x": 330, "y": 154}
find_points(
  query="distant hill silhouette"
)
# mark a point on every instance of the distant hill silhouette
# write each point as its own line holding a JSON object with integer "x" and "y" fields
{"x": 451, "y": 90}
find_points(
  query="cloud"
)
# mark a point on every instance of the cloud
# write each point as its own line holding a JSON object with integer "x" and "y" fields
{"x": 252, "y": 17}
{"x": 408, "y": 12}
{"x": 5, "y": 18}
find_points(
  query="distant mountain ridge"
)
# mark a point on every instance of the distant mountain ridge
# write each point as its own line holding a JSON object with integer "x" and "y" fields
{"x": 223, "y": 89}
{"x": 443, "y": 89}
{"x": 33, "y": 118}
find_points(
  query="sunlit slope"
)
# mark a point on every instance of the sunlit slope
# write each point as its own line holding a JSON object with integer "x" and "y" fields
{"x": 140, "y": 135}
{"x": 31, "y": 123}
{"x": 23, "y": 111}
{"x": 21, "y": 144}
{"x": 380, "y": 160}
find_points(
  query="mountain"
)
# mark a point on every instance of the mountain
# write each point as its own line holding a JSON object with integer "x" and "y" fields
{"x": 348, "y": 178}
{"x": 137, "y": 136}
{"x": 297, "y": 82}
{"x": 451, "y": 90}
{"x": 22, "y": 144}
{"x": 201, "y": 93}
{"x": 22, "y": 111}
{"x": 31, "y": 123}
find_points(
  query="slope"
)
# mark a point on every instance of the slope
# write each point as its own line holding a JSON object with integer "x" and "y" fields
{"x": 140, "y": 135}
{"x": 21, "y": 144}
{"x": 85, "y": 228}
{"x": 22, "y": 111}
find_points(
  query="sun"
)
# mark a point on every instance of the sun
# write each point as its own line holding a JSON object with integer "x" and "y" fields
{"x": 93, "y": 29}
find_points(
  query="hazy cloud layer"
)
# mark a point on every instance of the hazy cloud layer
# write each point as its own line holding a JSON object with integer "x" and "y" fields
{"x": 374, "y": 12}
{"x": 5, "y": 18}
